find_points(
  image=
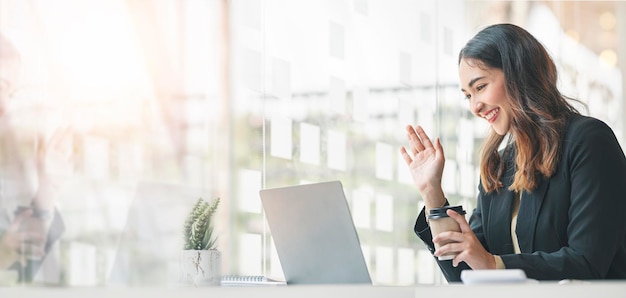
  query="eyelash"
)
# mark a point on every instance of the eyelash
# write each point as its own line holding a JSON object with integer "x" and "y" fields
{"x": 478, "y": 88}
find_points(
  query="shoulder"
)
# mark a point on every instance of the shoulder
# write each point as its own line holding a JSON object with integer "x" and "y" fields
{"x": 586, "y": 130}
{"x": 591, "y": 137}
{"x": 578, "y": 124}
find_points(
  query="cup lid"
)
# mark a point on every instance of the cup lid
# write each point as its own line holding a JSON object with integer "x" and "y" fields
{"x": 441, "y": 212}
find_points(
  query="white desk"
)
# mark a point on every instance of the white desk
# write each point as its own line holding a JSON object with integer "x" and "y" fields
{"x": 595, "y": 289}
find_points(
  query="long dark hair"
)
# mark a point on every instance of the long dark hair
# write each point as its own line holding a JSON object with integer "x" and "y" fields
{"x": 540, "y": 111}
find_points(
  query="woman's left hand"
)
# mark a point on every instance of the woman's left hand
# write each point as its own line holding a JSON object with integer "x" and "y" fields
{"x": 465, "y": 245}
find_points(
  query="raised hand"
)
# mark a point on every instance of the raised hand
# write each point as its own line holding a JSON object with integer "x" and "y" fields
{"x": 426, "y": 162}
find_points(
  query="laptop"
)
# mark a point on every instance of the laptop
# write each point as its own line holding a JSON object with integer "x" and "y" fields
{"x": 314, "y": 234}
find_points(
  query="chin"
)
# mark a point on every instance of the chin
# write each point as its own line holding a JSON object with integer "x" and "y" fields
{"x": 500, "y": 130}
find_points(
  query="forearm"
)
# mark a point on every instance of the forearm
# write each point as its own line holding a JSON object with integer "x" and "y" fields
{"x": 562, "y": 264}
{"x": 433, "y": 197}
{"x": 45, "y": 197}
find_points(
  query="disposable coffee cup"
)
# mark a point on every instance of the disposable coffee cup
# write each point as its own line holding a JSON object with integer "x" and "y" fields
{"x": 439, "y": 221}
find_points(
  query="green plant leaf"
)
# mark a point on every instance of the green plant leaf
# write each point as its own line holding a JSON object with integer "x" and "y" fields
{"x": 198, "y": 230}
{"x": 207, "y": 240}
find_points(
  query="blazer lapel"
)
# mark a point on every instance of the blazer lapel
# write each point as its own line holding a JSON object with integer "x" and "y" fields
{"x": 500, "y": 222}
{"x": 530, "y": 205}
{"x": 500, "y": 212}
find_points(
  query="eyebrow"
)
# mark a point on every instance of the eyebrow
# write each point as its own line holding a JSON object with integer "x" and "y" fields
{"x": 471, "y": 82}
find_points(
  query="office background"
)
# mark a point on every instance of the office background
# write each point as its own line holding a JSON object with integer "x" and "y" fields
{"x": 171, "y": 100}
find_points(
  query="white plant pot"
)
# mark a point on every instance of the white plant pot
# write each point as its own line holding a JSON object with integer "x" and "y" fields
{"x": 200, "y": 268}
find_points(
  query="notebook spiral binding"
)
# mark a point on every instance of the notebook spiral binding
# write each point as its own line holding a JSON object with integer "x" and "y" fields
{"x": 244, "y": 278}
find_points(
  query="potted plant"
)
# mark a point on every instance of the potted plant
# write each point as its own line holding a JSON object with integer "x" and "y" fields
{"x": 200, "y": 260}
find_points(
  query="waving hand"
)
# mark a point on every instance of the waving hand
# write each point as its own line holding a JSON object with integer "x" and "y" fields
{"x": 425, "y": 162}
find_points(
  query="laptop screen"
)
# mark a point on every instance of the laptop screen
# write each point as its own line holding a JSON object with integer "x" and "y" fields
{"x": 314, "y": 234}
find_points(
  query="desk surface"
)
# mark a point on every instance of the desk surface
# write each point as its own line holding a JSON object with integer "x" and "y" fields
{"x": 593, "y": 289}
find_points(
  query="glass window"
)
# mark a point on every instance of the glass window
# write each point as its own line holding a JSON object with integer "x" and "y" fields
{"x": 168, "y": 101}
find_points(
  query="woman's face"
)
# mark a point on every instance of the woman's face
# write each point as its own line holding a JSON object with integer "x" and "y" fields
{"x": 484, "y": 88}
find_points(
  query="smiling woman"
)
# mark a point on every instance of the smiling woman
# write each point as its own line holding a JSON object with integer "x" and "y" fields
{"x": 544, "y": 200}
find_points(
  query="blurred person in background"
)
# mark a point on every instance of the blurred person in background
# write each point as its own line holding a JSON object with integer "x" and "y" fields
{"x": 29, "y": 221}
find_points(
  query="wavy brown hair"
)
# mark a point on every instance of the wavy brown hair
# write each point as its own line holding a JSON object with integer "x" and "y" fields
{"x": 540, "y": 111}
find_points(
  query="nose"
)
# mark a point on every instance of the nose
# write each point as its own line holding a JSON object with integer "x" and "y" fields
{"x": 475, "y": 107}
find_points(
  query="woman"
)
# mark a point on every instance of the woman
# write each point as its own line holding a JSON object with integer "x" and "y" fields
{"x": 27, "y": 231}
{"x": 552, "y": 201}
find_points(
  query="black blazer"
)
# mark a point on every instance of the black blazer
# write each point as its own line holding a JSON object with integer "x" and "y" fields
{"x": 572, "y": 226}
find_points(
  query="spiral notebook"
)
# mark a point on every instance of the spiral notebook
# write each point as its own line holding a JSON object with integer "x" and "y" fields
{"x": 249, "y": 280}
{"x": 314, "y": 234}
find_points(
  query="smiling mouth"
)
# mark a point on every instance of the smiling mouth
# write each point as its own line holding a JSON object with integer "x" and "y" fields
{"x": 491, "y": 115}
